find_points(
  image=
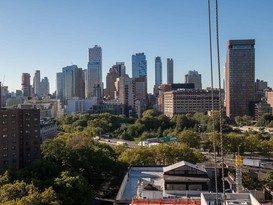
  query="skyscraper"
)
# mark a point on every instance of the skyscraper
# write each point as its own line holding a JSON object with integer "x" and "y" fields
{"x": 26, "y": 87}
{"x": 94, "y": 72}
{"x": 124, "y": 88}
{"x": 240, "y": 77}
{"x": 36, "y": 83}
{"x": 59, "y": 86}
{"x": 44, "y": 87}
{"x": 120, "y": 68}
{"x": 139, "y": 65}
{"x": 139, "y": 74}
{"x": 110, "y": 83}
{"x": 194, "y": 77}
{"x": 158, "y": 74}
{"x": 169, "y": 71}
{"x": 72, "y": 82}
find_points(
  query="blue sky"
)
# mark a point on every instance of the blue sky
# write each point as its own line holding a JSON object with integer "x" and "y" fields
{"x": 48, "y": 35}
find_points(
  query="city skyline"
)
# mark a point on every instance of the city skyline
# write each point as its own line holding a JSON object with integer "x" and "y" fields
{"x": 47, "y": 36}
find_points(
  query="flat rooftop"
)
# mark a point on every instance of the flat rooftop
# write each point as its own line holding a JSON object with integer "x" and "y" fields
{"x": 129, "y": 186}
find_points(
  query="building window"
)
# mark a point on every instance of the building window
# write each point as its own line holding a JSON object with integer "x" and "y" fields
{"x": 195, "y": 187}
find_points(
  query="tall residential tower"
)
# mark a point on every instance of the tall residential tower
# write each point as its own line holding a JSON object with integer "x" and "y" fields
{"x": 158, "y": 74}
{"x": 94, "y": 73}
{"x": 139, "y": 75}
{"x": 169, "y": 71}
{"x": 26, "y": 87}
{"x": 37, "y": 83}
{"x": 240, "y": 77}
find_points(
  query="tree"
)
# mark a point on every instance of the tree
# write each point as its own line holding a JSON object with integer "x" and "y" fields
{"x": 233, "y": 142}
{"x": 182, "y": 122}
{"x": 265, "y": 147}
{"x": 251, "y": 181}
{"x": 19, "y": 192}
{"x": 190, "y": 138}
{"x": 251, "y": 144}
{"x": 138, "y": 156}
{"x": 265, "y": 120}
{"x": 73, "y": 189}
{"x": 243, "y": 120}
{"x": 162, "y": 154}
{"x": 268, "y": 179}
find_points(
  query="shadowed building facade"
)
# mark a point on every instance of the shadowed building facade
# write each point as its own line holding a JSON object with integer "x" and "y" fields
{"x": 20, "y": 137}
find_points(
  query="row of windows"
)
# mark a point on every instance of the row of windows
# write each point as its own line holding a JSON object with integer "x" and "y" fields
{"x": 6, "y": 148}
{"x": 6, "y": 162}
{"x": 5, "y": 155}
{"x": 183, "y": 187}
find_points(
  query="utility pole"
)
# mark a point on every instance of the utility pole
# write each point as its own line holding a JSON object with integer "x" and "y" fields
{"x": 238, "y": 163}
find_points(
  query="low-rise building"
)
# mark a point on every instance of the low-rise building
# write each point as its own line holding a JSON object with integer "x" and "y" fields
{"x": 77, "y": 105}
{"x": 48, "y": 130}
{"x": 180, "y": 179}
{"x": 112, "y": 107}
{"x": 182, "y": 183}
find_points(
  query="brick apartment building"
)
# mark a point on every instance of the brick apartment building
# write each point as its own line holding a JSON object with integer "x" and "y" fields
{"x": 19, "y": 137}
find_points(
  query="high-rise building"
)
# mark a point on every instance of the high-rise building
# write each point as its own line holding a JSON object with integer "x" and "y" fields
{"x": 139, "y": 65}
{"x": 36, "y": 83}
{"x": 59, "y": 86}
{"x": 80, "y": 84}
{"x": 194, "y": 77}
{"x": 94, "y": 72}
{"x": 120, "y": 68}
{"x": 110, "y": 83}
{"x": 260, "y": 89}
{"x": 169, "y": 71}
{"x": 124, "y": 90}
{"x": 158, "y": 74}
{"x": 240, "y": 77}
{"x": 72, "y": 81}
{"x": 140, "y": 88}
{"x": 26, "y": 87}
{"x": 20, "y": 137}
{"x": 44, "y": 87}
{"x": 139, "y": 74}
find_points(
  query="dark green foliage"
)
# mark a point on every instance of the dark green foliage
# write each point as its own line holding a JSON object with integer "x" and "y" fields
{"x": 162, "y": 154}
{"x": 73, "y": 188}
{"x": 243, "y": 120}
{"x": 251, "y": 181}
{"x": 268, "y": 179}
{"x": 265, "y": 120}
